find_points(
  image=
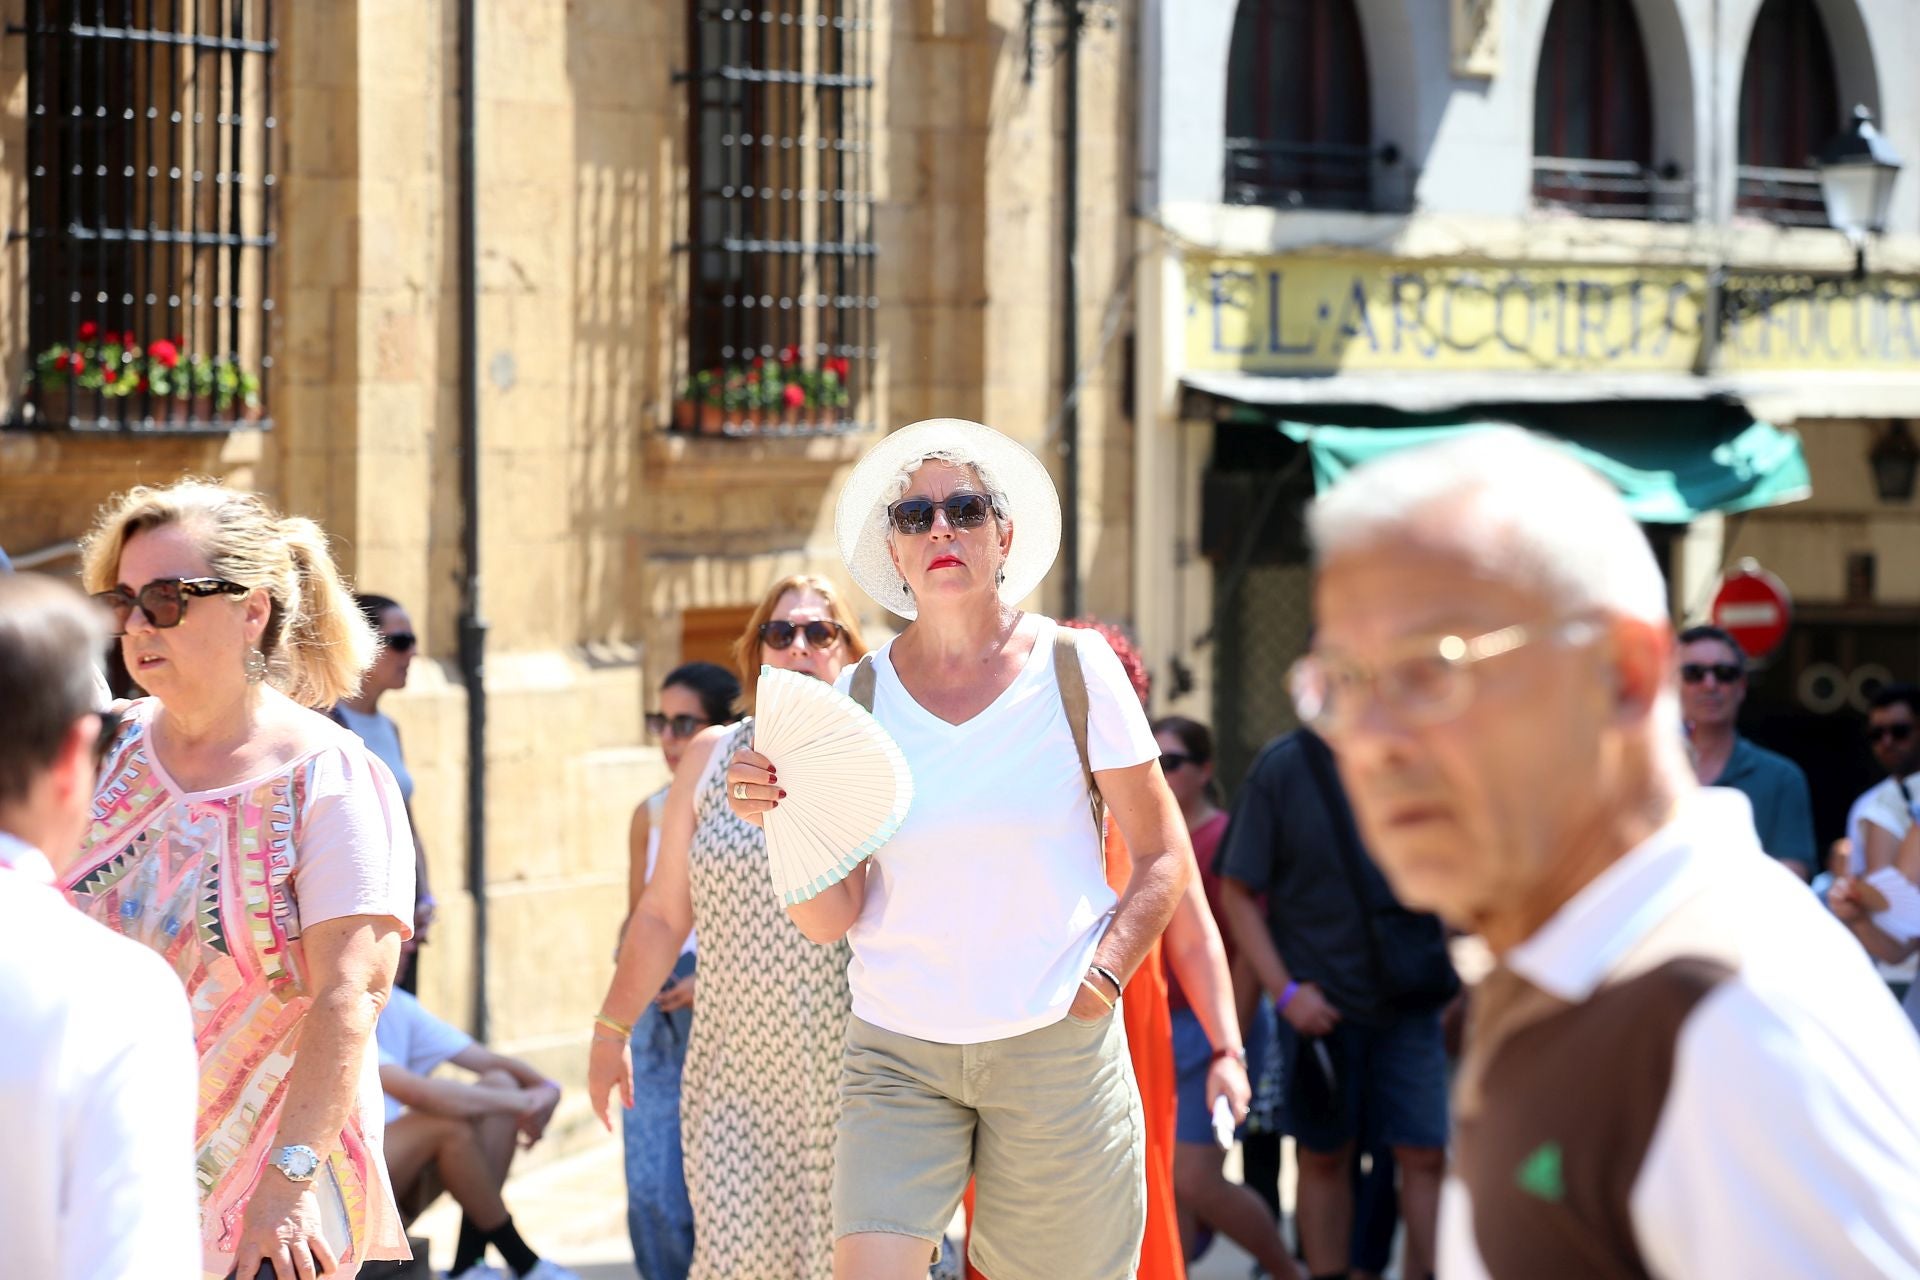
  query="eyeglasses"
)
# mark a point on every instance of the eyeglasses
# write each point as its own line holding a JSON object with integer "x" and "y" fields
{"x": 400, "y": 641}
{"x": 1891, "y": 732}
{"x": 820, "y": 635}
{"x": 1171, "y": 760}
{"x": 164, "y": 600}
{"x": 964, "y": 511}
{"x": 110, "y": 722}
{"x": 1432, "y": 681}
{"x": 1722, "y": 672}
{"x": 682, "y": 726}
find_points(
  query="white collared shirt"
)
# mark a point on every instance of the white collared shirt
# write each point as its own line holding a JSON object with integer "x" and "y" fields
{"x": 98, "y": 1089}
{"x": 1789, "y": 1141}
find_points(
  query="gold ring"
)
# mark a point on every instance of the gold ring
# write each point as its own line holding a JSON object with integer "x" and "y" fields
{"x": 739, "y": 791}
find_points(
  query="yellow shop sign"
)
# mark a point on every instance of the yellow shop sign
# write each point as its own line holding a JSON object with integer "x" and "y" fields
{"x": 1305, "y": 316}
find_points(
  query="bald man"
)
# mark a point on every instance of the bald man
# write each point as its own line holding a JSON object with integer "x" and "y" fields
{"x": 1681, "y": 1066}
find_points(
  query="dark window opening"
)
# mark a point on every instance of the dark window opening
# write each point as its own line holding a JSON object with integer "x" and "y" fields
{"x": 149, "y": 218}
{"x": 1299, "y": 126}
{"x": 1593, "y": 119}
{"x": 1789, "y": 108}
{"x": 780, "y": 317}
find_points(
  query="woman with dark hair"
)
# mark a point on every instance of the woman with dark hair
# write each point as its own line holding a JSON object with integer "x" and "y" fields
{"x": 1208, "y": 1201}
{"x": 695, "y": 696}
{"x": 361, "y": 713}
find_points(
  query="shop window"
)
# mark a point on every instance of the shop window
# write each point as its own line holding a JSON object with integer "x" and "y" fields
{"x": 1789, "y": 108}
{"x": 1299, "y": 129}
{"x": 780, "y": 252}
{"x": 148, "y": 220}
{"x": 1593, "y": 118}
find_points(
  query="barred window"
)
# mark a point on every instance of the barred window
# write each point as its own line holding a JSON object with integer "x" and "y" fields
{"x": 1299, "y": 128}
{"x": 780, "y": 246}
{"x": 1789, "y": 110}
{"x": 149, "y": 213}
{"x": 1593, "y": 118}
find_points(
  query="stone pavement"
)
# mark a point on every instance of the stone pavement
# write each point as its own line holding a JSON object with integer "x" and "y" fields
{"x": 573, "y": 1210}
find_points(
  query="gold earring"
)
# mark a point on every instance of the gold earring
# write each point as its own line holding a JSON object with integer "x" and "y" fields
{"x": 256, "y": 665}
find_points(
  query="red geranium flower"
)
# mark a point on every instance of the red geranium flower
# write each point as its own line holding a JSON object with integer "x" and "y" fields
{"x": 165, "y": 352}
{"x": 795, "y": 395}
{"x": 108, "y": 375}
{"x": 759, "y": 361}
{"x": 89, "y": 331}
{"x": 76, "y": 363}
{"x": 753, "y": 379}
{"x": 837, "y": 366}
{"x": 789, "y": 356}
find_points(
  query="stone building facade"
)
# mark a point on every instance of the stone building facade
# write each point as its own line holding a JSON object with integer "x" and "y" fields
{"x": 611, "y": 544}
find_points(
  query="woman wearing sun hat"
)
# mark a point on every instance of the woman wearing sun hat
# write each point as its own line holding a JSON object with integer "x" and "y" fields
{"x": 988, "y": 950}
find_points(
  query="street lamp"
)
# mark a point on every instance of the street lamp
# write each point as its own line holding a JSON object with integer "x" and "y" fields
{"x": 1857, "y": 170}
{"x": 1895, "y": 458}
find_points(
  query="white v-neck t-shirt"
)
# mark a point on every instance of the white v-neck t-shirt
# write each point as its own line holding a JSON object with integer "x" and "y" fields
{"x": 983, "y": 911}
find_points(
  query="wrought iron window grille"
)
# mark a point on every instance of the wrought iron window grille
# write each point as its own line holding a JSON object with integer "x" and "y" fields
{"x": 779, "y": 249}
{"x": 151, "y": 156}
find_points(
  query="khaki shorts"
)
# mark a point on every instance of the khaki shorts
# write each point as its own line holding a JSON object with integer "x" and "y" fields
{"x": 1048, "y": 1123}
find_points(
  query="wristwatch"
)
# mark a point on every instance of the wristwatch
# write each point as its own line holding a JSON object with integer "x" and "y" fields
{"x": 297, "y": 1162}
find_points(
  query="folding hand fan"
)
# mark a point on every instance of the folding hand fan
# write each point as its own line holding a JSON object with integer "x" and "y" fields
{"x": 848, "y": 786}
{"x": 1894, "y": 901}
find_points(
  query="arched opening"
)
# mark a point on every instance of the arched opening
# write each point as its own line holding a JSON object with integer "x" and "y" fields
{"x": 1299, "y": 126}
{"x": 1593, "y": 118}
{"x": 1789, "y": 108}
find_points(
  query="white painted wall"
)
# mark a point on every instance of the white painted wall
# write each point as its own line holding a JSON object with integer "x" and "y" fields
{"x": 1471, "y": 140}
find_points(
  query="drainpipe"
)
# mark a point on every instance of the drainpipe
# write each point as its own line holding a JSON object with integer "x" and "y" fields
{"x": 1070, "y": 320}
{"x": 473, "y": 625}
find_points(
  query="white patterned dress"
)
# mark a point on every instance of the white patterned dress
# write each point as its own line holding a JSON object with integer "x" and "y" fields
{"x": 761, "y": 1092}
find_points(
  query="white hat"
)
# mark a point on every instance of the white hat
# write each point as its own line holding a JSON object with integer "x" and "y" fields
{"x": 1008, "y": 467}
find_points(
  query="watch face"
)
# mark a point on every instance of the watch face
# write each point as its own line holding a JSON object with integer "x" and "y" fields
{"x": 299, "y": 1162}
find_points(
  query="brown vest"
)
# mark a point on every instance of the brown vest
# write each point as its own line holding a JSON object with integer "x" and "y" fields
{"x": 1557, "y": 1104}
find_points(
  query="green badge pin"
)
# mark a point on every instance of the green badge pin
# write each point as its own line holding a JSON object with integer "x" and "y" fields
{"x": 1539, "y": 1173}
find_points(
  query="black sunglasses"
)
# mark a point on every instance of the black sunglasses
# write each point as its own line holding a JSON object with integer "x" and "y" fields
{"x": 964, "y": 511}
{"x": 1171, "y": 760}
{"x": 1896, "y": 732}
{"x": 821, "y": 635}
{"x": 683, "y": 726}
{"x": 164, "y": 600}
{"x": 1724, "y": 672}
{"x": 400, "y": 641}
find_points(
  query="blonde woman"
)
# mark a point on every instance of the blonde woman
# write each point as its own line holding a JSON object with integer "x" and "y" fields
{"x": 264, "y": 852}
{"x": 759, "y": 1093}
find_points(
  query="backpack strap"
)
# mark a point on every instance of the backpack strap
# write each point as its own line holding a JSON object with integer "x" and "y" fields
{"x": 1072, "y": 679}
{"x": 861, "y": 690}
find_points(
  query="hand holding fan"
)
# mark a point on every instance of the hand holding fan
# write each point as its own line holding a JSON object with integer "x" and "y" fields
{"x": 848, "y": 786}
{"x": 1894, "y": 901}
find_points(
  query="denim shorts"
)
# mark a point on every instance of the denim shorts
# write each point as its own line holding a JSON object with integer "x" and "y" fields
{"x": 1388, "y": 1085}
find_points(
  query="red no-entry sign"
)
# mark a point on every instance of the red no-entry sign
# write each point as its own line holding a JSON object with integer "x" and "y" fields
{"x": 1753, "y": 606}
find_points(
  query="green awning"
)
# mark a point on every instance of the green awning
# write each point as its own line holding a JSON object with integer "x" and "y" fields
{"x": 1672, "y": 463}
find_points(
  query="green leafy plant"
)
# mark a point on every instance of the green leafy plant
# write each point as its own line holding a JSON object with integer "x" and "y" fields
{"x": 778, "y": 386}
{"x": 117, "y": 365}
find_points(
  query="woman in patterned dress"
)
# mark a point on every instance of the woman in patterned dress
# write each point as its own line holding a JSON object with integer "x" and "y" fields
{"x": 760, "y": 1092}
{"x": 265, "y": 853}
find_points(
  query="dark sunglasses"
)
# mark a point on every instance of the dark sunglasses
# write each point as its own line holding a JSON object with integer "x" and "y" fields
{"x": 400, "y": 641}
{"x": 1171, "y": 760}
{"x": 1724, "y": 672}
{"x": 964, "y": 511}
{"x": 110, "y": 722}
{"x": 683, "y": 726}
{"x": 1896, "y": 732}
{"x": 820, "y": 635}
{"x": 164, "y": 600}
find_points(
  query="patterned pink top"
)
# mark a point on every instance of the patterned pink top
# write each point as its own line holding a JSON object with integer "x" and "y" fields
{"x": 220, "y": 883}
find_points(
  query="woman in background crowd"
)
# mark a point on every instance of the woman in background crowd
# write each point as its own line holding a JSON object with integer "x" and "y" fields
{"x": 695, "y": 696}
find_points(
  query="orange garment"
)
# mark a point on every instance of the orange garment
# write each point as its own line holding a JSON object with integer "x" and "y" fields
{"x": 1150, "y": 1044}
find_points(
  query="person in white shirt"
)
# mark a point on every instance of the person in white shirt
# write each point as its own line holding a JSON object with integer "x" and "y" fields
{"x": 459, "y": 1136}
{"x": 988, "y": 950}
{"x": 1681, "y": 1065}
{"x": 1880, "y": 818}
{"x": 98, "y": 1082}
